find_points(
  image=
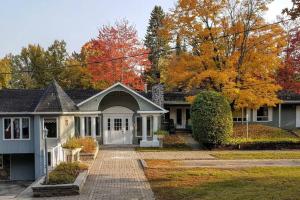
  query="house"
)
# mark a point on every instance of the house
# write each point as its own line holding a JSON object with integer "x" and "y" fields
{"x": 114, "y": 116}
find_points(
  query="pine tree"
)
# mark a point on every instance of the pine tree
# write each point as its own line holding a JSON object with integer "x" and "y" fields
{"x": 157, "y": 45}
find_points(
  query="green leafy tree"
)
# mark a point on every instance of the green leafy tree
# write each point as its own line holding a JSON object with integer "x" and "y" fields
{"x": 211, "y": 119}
{"x": 5, "y": 70}
{"x": 158, "y": 45}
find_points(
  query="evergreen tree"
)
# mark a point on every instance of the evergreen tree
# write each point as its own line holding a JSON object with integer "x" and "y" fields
{"x": 157, "y": 45}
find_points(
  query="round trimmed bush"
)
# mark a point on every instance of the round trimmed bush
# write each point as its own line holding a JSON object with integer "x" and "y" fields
{"x": 211, "y": 119}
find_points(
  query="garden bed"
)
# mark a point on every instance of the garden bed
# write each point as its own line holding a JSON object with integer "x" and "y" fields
{"x": 65, "y": 180}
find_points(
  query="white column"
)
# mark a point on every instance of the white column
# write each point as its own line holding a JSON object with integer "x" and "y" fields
{"x": 93, "y": 124}
{"x": 155, "y": 123}
{"x": 82, "y": 129}
{"x": 144, "y": 128}
{"x": 279, "y": 115}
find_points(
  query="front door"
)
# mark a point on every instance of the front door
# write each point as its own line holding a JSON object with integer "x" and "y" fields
{"x": 118, "y": 129}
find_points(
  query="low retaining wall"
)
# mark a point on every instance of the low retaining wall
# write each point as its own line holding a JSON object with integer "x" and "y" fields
{"x": 40, "y": 190}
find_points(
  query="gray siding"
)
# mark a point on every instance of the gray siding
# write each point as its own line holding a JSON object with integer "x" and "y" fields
{"x": 22, "y": 167}
{"x": 16, "y": 146}
{"x": 93, "y": 105}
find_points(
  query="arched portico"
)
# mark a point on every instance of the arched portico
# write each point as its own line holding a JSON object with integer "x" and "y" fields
{"x": 120, "y": 107}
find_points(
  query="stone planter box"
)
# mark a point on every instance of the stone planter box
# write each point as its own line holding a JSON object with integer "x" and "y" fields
{"x": 41, "y": 190}
{"x": 71, "y": 155}
{"x": 89, "y": 156}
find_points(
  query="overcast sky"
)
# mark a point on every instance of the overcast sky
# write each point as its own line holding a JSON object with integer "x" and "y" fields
{"x": 24, "y": 22}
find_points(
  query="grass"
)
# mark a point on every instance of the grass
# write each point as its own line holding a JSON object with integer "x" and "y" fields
{"x": 223, "y": 184}
{"x": 259, "y": 132}
{"x": 235, "y": 155}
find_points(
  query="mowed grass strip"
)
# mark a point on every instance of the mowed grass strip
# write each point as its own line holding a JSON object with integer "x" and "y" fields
{"x": 223, "y": 184}
{"x": 235, "y": 155}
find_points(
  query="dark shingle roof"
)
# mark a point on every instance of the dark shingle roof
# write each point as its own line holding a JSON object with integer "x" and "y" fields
{"x": 288, "y": 95}
{"x": 79, "y": 95}
{"x": 19, "y": 100}
{"x": 54, "y": 99}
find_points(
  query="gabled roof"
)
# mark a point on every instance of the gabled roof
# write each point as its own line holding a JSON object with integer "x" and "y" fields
{"x": 127, "y": 88}
{"x": 54, "y": 99}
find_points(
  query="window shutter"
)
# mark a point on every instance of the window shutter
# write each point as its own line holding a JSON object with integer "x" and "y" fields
{"x": 254, "y": 115}
{"x": 270, "y": 114}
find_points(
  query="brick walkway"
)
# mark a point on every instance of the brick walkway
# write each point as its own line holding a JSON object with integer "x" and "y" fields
{"x": 115, "y": 174}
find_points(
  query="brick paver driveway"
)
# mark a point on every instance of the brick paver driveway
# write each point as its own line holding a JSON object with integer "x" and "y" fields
{"x": 115, "y": 174}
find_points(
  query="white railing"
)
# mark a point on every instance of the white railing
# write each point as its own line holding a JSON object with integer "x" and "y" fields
{"x": 57, "y": 155}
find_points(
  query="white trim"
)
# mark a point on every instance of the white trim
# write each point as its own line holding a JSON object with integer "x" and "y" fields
{"x": 11, "y": 129}
{"x": 51, "y": 113}
{"x": 126, "y": 87}
{"x": 270, "y": 114}
{"x": 150, "y": 112}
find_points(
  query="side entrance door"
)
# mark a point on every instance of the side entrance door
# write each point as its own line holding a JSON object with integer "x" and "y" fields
{"x": 118, "y": 129}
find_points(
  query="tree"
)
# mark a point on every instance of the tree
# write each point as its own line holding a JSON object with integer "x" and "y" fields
{"x": 211, "y": 119}
{"x": 116, "y": 55}
{"x": 5, "y": 70}
{"x": 289, "y": 74}
{"x": 157, "y": 44}
{"x": 294, "y": 12}
{"x": 36, "y": 67}
{"x": 230, "y": 49}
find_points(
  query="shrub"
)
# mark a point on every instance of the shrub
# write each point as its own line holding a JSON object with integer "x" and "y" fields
{"x": 88, "y": 144}
{"x": 211, "y": 119}
{"x": 174, "y": 141}
{"x": 66, "y": 172}
{"x": 161, "y": 132}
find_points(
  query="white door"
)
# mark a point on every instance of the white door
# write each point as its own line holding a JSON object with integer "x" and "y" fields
{"x": 117, "y": 126}
{"x": 118, "y": 130}
{"x": 297, "y": 116}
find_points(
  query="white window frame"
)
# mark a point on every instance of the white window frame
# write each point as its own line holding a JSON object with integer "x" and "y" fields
{"x": 12, "y": 128}
{"x": 240, "y": 119}
{"x": 270, "y": 115}
{"x": 57, "y": 131}
{"x": 1, "y": 161}
{"x": 151, "y": 127}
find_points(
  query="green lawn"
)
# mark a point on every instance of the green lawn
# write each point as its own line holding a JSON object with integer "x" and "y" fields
{"x": 228, "y": 155}
{"x": 276, "y": 183}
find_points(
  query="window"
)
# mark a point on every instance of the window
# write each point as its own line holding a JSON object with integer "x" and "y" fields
{"x": 239, "y": 116}
{"x": 108, "y": 124}
{"x": 16, "y": 128}
{"x": 51, "y": 125}
{"x": 97, "y": 126}
{"x": 179, "y": 116}
{"x": 7, "y": 128}
{"x": 187, "y": 116}
{"x": 126, "y": 124}
{"x": 262, "y": 114}
{"x": 139, "y": 127}
{"x": 149, "y": 126}
{"x": 1, "y": 161}
{"x": 88, "y": 126}
{"x": 25, "y": 128}
{"x": 117, "y": 124}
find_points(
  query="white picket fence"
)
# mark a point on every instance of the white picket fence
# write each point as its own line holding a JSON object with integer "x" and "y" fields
{"x": 57, "y": 155}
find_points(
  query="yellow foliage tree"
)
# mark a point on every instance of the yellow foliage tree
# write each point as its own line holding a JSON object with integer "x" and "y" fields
{"x": 5, "y": 70}
{"x": 230, "y": 49}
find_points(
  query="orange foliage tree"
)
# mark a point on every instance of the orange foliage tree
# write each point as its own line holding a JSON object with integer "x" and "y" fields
{"x": 116, "y": 55}
{"x": 229, "y": 49}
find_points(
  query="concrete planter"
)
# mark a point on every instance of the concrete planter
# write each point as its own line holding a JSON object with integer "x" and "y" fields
{"x": 89, "y": 156}
{"x": 40, "y": 190}
{"x": 71, "y": 155}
